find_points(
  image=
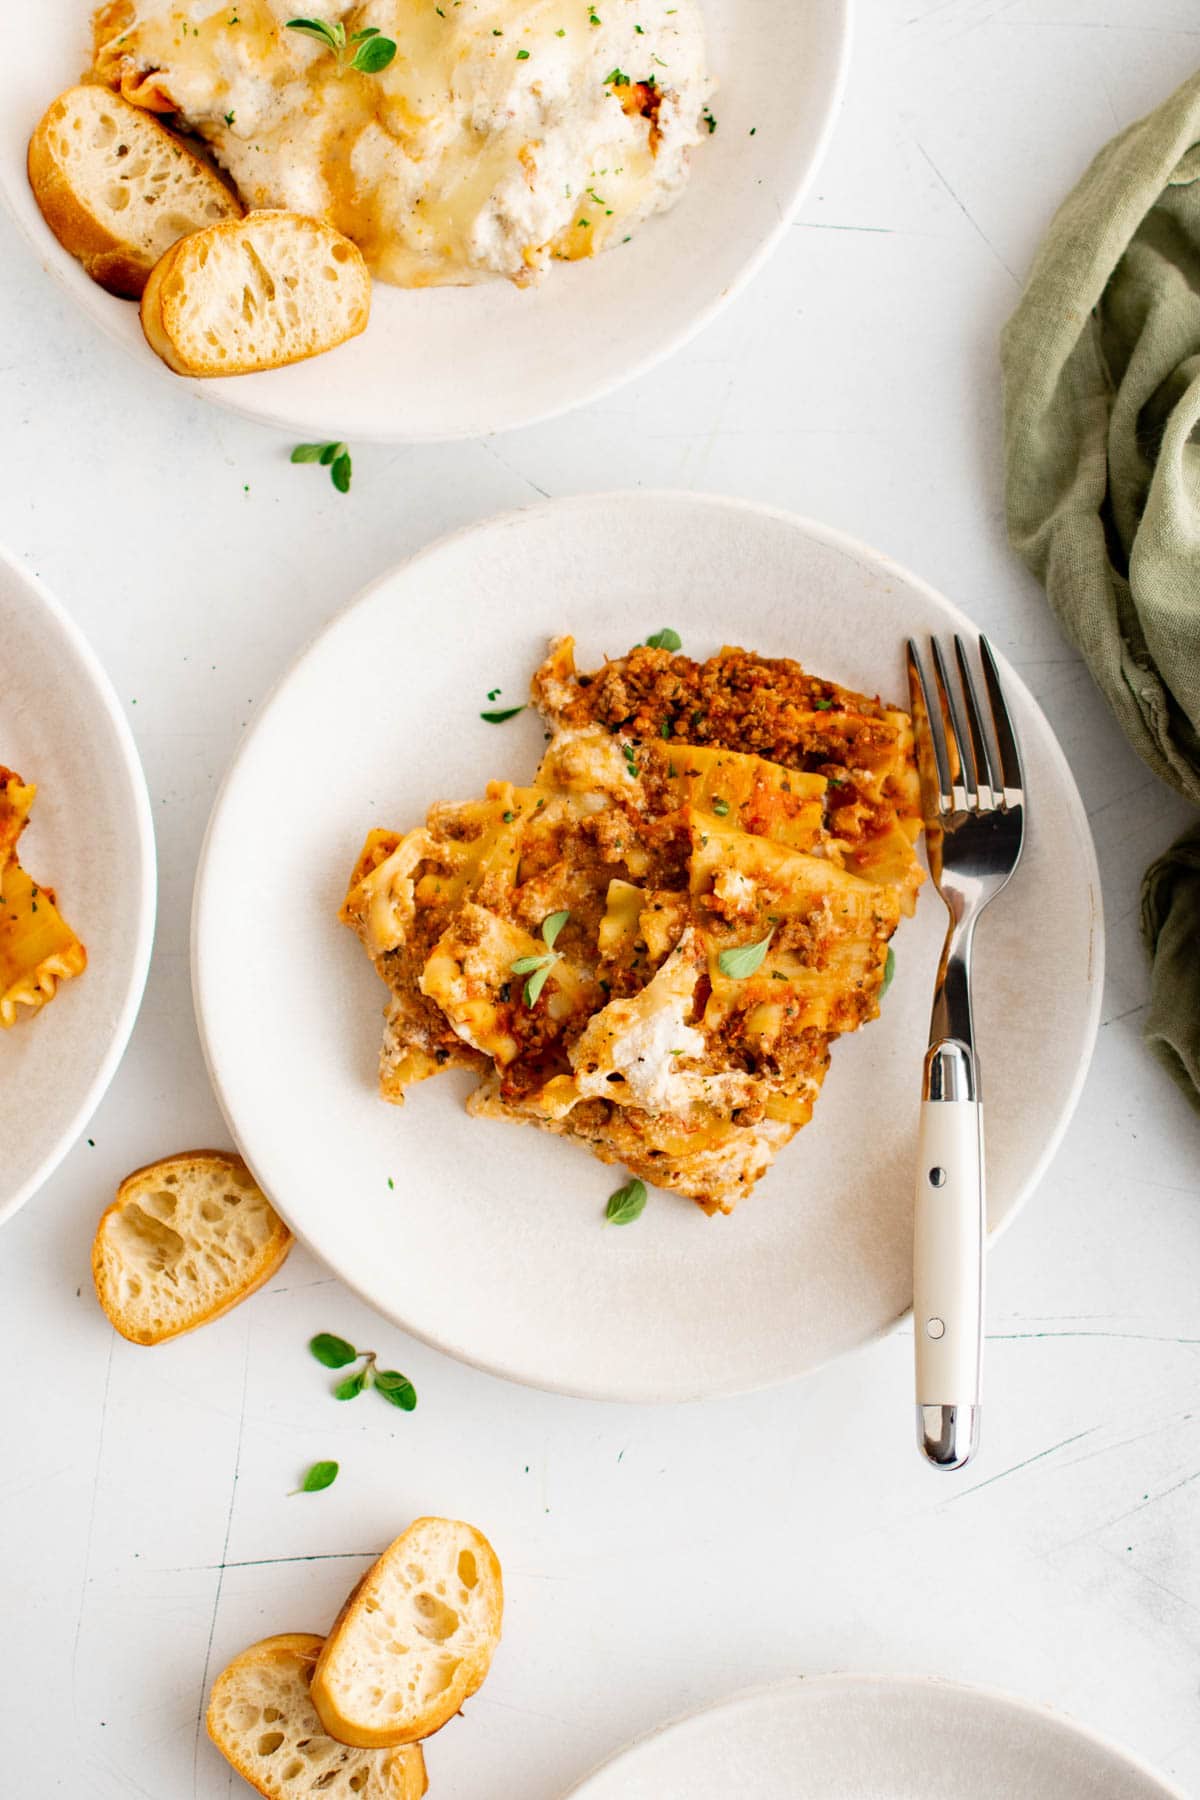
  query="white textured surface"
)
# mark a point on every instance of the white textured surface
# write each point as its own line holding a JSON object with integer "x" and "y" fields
{"x": 653, "y": 1559}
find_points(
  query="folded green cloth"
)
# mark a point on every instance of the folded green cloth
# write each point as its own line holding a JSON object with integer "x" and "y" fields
{"x": 1101, "y": 366}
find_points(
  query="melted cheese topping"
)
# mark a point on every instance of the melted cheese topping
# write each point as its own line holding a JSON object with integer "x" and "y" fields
{"x": 504, "y": 133}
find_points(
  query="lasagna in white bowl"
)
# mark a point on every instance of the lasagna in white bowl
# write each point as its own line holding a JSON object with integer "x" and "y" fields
{"x": 500, "y": 136}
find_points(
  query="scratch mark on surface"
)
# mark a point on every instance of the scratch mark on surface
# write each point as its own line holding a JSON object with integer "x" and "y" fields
{"x": 267, "y": 1562}
{"x": 1117, "y": 1337}
{"x": 815, "y": 225}
{"x": 212, "y": 1624}
{"x": 967, "y": 214}
{"x": 91, "y": 1525}
{"x": 491, "y": 451}
{"x": 1039, "y": 1457}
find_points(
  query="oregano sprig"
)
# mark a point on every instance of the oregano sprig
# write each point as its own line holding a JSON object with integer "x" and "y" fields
{"x": 367, "y": 51}
{"x": 537, "y": 968}
{"x": 334, "y": 457}
{"x": 335, "y": 1353}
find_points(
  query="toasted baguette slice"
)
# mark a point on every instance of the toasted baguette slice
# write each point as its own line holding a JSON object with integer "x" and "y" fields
{"x": 255, "y": 293}
{"x": 117, "y": 189}
{"x": 414, "y": 1640}
{"x": 184, "y": 1240}
{"x": 262, "y": 1720}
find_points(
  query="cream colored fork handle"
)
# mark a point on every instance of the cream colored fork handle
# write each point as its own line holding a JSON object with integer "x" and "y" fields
{"x": 948, "y": 1279}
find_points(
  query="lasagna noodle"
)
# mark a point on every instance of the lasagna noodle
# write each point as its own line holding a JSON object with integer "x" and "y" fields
{"x": 38, "y": 949}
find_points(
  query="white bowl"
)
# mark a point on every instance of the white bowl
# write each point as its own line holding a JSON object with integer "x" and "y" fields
{"x": 461, "y": 362}
{"x": 90, "y": 837}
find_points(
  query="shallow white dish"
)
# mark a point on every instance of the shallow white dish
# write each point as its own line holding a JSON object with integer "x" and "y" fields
{"x": 874, "y": 1737}
{"x": 490, "y": 1243}
{"x": 91, "y": 839}
{"x": 461, "y": 362}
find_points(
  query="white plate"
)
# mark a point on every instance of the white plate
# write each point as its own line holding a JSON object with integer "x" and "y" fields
{"x": 490, "y": 1243}
{"x": 91, "y": 839}
{"x": 450, "y": 362}
{"x": 867, "y": 1737}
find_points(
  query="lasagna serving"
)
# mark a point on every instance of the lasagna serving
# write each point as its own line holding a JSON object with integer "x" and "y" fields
{"x": 502, "y": 135}
{"x": 652, "y": 946}
{"x": 38, "y": 949}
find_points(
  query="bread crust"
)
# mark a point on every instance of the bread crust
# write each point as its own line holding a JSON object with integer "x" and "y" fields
{"x": 106, "y": 1258}
{"x": 111, "y": 261}
{"x": 404, "y": 1774}
{"x": 469, "y": 1676}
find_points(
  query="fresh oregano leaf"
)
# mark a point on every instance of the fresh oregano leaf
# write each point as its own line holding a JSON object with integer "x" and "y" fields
{"x": 334, "y": 1352}
{"x": 666, "y": 639}
{"x": 356, "y": 37}
{"x": 333, "y": 37}
{"x": 396, "y": 1389}
{"x": 745, "y": 959}
{"x": 525, "y": 965}
{"x": 330, "y": 452}
{"x": 537, "y": 981}
{"x": 339, "y": 472}
{"x": 373, "y": 55}
{"x": 353, "y": 1386}
{"x": 321, "y": 1475}
{"x": 552, "y": 926}
{"x": 308, "y": 452}
{"x": 627, "y": 1204}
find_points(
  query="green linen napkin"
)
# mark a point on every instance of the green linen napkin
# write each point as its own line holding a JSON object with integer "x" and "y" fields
{"x": 1101, "y": 365}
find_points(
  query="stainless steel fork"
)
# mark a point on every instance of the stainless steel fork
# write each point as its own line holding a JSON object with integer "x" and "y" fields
{"x": 973, "y": 799}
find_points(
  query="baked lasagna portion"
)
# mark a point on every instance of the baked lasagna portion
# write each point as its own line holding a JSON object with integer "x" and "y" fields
{"x": 652, "y": 946}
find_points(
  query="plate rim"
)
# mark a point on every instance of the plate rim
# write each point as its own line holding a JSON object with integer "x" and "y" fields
{"x": 58, "y": 263}
{"x": 844, "y": 1679}
{"x": 848, "y": 545}
{"x": 134, "y": 777}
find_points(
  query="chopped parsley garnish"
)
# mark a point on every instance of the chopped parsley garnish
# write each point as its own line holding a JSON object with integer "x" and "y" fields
{"x": 631, "y": 768}
{"x": 503, "y": 713}
{"x": 708, "y": 119}
{"x": 822, "y": 705}
{"x": 230, "y": 117}
{"x": 522, "y": 56}
{"x": 720, "y": 807}
{"x": 593, "y": 16}
{"x": 666, "y": 639}
{"x": 889, "y": 969}
{"x": 617, "y": 77}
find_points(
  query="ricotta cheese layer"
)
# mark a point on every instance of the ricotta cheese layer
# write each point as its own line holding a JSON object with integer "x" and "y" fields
{"x": 503, "y": 135}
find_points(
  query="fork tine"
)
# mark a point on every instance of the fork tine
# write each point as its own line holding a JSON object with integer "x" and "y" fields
{"x": 1006, "y": 737}
{"x": 984, "y": 778}
{"x": 962, "y": 787}
{"x": 927, "y": 730}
